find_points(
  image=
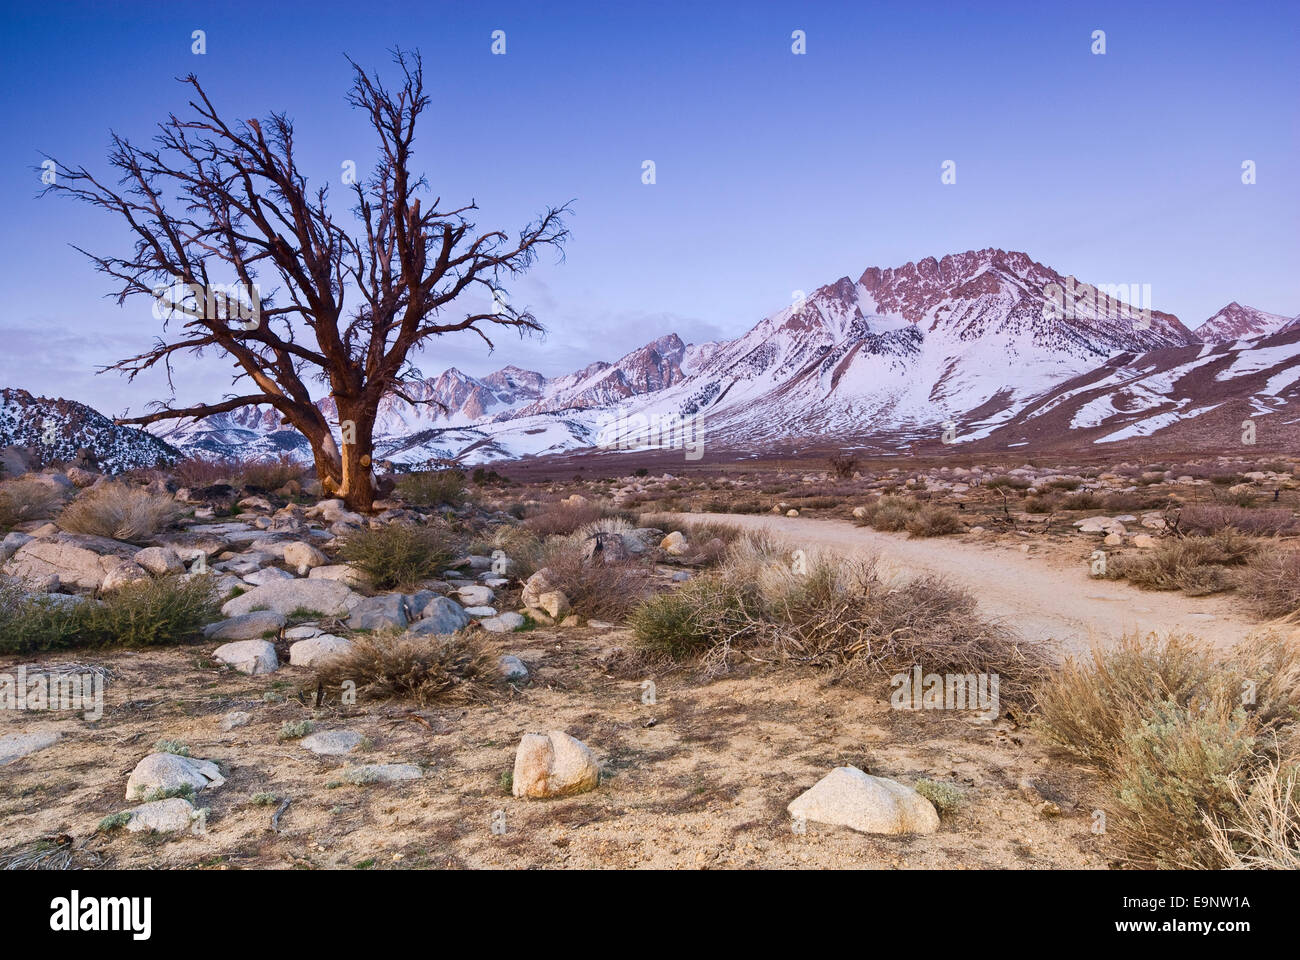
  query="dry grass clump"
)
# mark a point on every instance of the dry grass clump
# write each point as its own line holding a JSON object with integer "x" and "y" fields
{"x": 444, "y": 670}
{"x": 1176, "y": 729}
{"x": 121, "y": 512}
{"x": 22, "y": 500}
{"x": 432, "y": 488}
{"x": 892, "y": 514}
{"x": 146, "y": 613}
{"x": 271, "y": 475}
{"x": 596, "y": 590}
{"x": 1265, "y": 833}
{"x": 563, "y": 518}
{"x": 836, "y": 614}
{"x": 1270, "y": 583}
{"x": 1195, "y": 565}
{"x": 398, "y": 555}
{"x": 1206, "y": 518}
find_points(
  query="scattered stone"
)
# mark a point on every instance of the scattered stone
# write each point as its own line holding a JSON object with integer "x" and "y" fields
{"x": 553, "y": 765}
{"x": 303, "y": 557}
{"x": 15, "y": 746}
{"x": 555, "y": 603}
{"x": 236, "y": 718}
{"x": 1144, "y": 541}
{"x": 475, "y": 596}
{"x": 534, "y": 587}
{"x": 792, "y": 512}
{"x": 503, "y": 623}
{"x": 381, "y": 773}
{"x": 441, "y": 616}
{"x": 328, "y": 597}
{"x": 376, "y": 613}
{"x": 268, "y": 575}
{"x": 252, "y": 657}
{"x": 160, "y": 561}
{"x": 10, "y": 544}
{"x": 247, "y": 626}
{"x": 339, "y": 573}
{"x": 168, "y": 771}
{"x": 512, "y": 668}
{"x": 332, "y": 743}
{"x": 161, "y": 816}
{"x": 850, "y": 798}
{"x": 309, "y": 652}
{"x": 304, "y": 632}
{"x": 674, "y": 544}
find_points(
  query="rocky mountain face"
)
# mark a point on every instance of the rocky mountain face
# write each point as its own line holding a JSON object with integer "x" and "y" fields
{"x": 48, "y": 431}
{"x": 1235, "y": 322}
{"x": 986, "y": 347}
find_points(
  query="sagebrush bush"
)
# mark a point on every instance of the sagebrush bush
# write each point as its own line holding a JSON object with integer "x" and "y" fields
{"x": 398, "y": 555}
{"x": 836, "y": 614}
{"x": 1263, "y": 831}
{"x": 1194, "y": 565}
{"x": 1208, "y": 518}
{"x": 432, "y": 488}
{"x": 454, "y": 669}
{"x": 1173, "y": 725}
{"x": 932, "y": 521}
{"x": 22, "y": 500}
{"x": 1270, "y": 583}
{"x": 562, "y": 519}
{"x": 271, "y": 475}
{"x": 121, "y": 512}
{"x": 889, "y": 513}
{"x": 596, "y": 590}
{"x": 144, "y": 613}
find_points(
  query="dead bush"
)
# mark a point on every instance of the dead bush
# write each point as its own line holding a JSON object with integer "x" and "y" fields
{"x": 1195, "y": 565}
{"x": 1207, "y": 518}
{"x": 22, "y": 500}
{"x": 445, "y": 670}
{"x": 934, "y": 521}
{"x": 1270, "y": 583}
{"x": 121, "y": 512}
{"x": 596, "y": 590}
{"x": 563, "y": 518}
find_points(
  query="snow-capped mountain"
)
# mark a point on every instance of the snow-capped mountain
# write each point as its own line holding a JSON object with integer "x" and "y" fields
{"x": 55, "y": 430}
{"x": 986, "y": 347}
{"x": 1235, "y": 322}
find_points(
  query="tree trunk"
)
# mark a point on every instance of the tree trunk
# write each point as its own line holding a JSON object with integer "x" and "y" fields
{"x": 357, "y": 482}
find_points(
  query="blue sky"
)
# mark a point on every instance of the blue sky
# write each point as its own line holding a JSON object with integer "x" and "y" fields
{"x": 775, "y": 172}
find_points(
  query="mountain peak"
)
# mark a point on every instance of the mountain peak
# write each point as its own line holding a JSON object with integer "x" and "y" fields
{"x": 1237, "y": 322}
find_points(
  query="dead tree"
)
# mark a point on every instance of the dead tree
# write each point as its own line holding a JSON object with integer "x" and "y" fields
{"x": 217, "y": 206}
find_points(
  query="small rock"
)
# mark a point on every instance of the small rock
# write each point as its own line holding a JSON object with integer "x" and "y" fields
{"x": 236, "y": 718}
{"x": 332, "y": 743}
{"x": 376, "y": 613}
{"x": 554, "y": 765}
{"x": 850, "y": 798}
{"x": 555, "y": 603}
{"x": 303, "y": 557}
{"x": 252, "y": 657}
{"x": 160, "y": 561}
{"x": 168, "y": 771}
{"x": 503, "y": 623}
{"x": 247, "y": 626}
{"x": 674, "y": 544}
{"x": 161, "y": 816}
{"x": 512, "y": 668}
{"x": 309, "y": 652}
{"x": 381, "y": 773}
{"x": 15, "y": 746}
{"x": 441, "y": 616}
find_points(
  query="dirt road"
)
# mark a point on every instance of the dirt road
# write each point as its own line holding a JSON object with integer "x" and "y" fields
{"x": 1060, "y": 604}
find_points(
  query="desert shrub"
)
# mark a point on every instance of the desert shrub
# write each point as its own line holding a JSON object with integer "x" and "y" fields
{"x": 946, "y": 798}
{"x": 271, "y": 474}
{"x": 121, "y": 512}
{"x": 1172, "y": 774}
{"x": 932, "y": 521}
{"x": 1263, "y": 831}
{"x": 427, "y": 670}
{"x": 145, "y": 613}
{"x": 1008, "y": 482}
{"x": 295, "y": 729}
{"x": 1041, "y": 504}
{"x": 843, "y": 466}
{"x": 1205, "y": 518}
{"x": 838, "y": 615}
{"x": 22, "y": 500}
{"x": 1171, "y": 727}
{"x": 1270, "y": 582}
{"x": 1061, "y": 483}
{"x": 564, "y": 518}
{"x": 1123, "y": 502}
{"x": 889, "y": 513}
{"x": 1084, "y": 500}
{"x": 432, "y": 488}
{"x": 205, "y": 471}
{"x": 398, "y": 555}
{"x": 1195, "y": 565}
{"x": 604, "y": 591}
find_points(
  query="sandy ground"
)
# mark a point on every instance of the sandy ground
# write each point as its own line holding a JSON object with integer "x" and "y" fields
{"x": 699, "y": 779}
{"x": 1044, "y": 597}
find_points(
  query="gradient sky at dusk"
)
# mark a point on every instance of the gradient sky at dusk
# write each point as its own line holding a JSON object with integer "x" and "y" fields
{"x": 775, "y": 172}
